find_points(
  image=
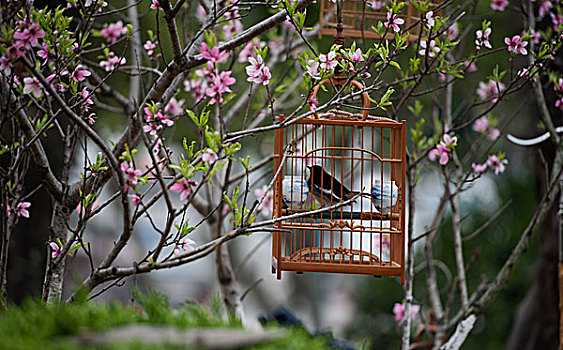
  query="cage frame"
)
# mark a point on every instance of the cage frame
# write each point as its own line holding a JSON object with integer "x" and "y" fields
{"x": 396, "y": 264}
{"x": 327, "y": 26}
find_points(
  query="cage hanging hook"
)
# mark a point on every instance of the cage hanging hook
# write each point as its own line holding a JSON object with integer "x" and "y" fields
{"x": 339, "y": 38}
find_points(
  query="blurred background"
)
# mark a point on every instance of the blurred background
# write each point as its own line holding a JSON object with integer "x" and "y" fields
{"x": 352, "y": 307}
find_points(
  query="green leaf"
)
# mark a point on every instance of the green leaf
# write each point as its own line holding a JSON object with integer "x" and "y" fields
{"x": 245, "y": 162}
{"x": 193, "y": 117}
{"x": 233, "y": 148}
{"x": 395, "y": 64}
{"x": 77, "y": 246}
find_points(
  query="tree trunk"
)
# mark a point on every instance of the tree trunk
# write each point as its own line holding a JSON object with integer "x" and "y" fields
{"x": 536, "y": 321}
{"x": 54, "y": 274}
{"x": 226, "y": 274}
{"x": 537, "y": 317}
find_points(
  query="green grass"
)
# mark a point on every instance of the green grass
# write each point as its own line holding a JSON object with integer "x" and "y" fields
{"x": 34, "y": 325}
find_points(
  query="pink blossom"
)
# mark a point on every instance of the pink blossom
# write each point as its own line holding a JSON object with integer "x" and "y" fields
{"x": 156, "y": 5}
{"x": 87, "y": 100}
{"x": 399, "y": 311}
{"x": 183, "y": 187}
{"x": 313, "y": 69}
{"x": 233, "y": 26}
{"x": 213, "y": 55}
{"x": 544, "y": 8}
{"x": 276, "y": 46}
{"x": 149, "y": 115}
{"x": 442, "y": 75}
{"x": 257, "y": 71}
{"x": 453, "y": 31}
{"x": 524, "y": 72}
{"x": 479, "y": 168}
{"x": 482, "y": 39}
{"x": 557, "y": 20}
{"x": 135, "y": 199}
{"x": 328, "y": 62}
{"x": 14, "y": 50}
{"x": 21, "y": 209}
{"x": 150, "y": 47}
{"x": 174, "y": 106}
{"x": 80, "y": 74}
{"x": 197, "y": 87}
{"x": 112, "y": 61}
{"x": 481, "y": 124}
{"x": 163, "y": 118}
{"x": 443, "y": 149}
{"x": 489, "y": 90}
{"x": 32, "y": 85}
{"x": 393, "y": 21}
{"x": 440, "y": 151}
{"x": 356, "y": 56}
{"x": 246, "y": 52}
{"x": 255, "y": 65}
{"x": 152, "y": 128}
{"x": 432, "y": 49}
{"x": 267, "y": 204}
{"x": 225, "y": 209}
{"x": 200, "y": 13}
{"x": 287, "y": 23}
{"x": 264, "y": 76}
{"x": 56, "y": 250}
{"x": 81, "y": 211}
{"x": 131, "y": 174}
{"x": 429, "y": 20}
{"x": 187, "y": 245}
{"x": 449, "y": 141}
{"x": 536, "y": 36}
{"x": 313, "y": 103}
{"x": 470, "y": 67}
{"x": 497, "y": 164}
{"x": 88, "y": 3}
{"x": 113, "y": 31}
{"x": 499, "y": 5}
{"x": 44, "y": 53}
{"x": 30, "y": 35}
{"x": 220, "y": 84}
{"x": 516, "y": 45}
{"x": 209, "y": 156}
{"x": 376, "y": 4}
{"x": 207, "y": 71}
{"x": 157, "y": 145}
{"x": 559, "y": 103}
{"x": 493, "y": 134}
{"x": 90, "y": 119}
{"x": 5, "y": 65}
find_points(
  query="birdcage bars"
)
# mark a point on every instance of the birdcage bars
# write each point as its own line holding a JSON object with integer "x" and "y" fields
{"x": 349, "y": 238}
{"x": 358, "y": 18}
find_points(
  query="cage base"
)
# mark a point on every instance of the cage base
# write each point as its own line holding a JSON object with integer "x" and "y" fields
{"x": 386, "y": 269}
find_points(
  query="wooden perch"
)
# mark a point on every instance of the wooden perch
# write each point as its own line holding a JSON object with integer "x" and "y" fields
{"x": 347, "y": 215}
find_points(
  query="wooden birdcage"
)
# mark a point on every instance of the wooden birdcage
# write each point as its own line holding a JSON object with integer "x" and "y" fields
{"x": 365, "y": 156}
{"x": 359, "y": 16}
